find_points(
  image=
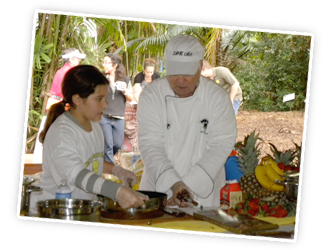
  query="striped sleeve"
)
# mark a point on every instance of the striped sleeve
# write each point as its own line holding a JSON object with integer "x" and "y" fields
{"x": 93, "y": 183}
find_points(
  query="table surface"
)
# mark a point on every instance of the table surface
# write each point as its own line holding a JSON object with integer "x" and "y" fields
{"x": 186, "y": 219}
{"x": 31, "y": 166}
{"x": 145, "y": 222}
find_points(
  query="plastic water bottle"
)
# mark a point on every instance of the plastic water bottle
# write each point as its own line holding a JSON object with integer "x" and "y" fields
{"x": 63, "y": 191}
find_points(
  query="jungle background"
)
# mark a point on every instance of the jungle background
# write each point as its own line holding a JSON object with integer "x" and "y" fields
{"x": 267, "y": 65}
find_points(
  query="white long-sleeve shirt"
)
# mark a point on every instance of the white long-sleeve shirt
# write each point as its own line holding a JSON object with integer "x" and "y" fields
{"x": 68, "y": 151}
{"x": 185, "y": 139}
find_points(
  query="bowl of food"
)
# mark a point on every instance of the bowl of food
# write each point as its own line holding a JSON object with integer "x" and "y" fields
{"x": 152, "y": 208}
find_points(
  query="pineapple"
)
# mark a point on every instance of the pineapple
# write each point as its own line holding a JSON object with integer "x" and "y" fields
{"x": 272, "y": 198}
{"x": 285, "y": 157}
{"x": 297, "y": 155}
{"x": 247, "y": 154}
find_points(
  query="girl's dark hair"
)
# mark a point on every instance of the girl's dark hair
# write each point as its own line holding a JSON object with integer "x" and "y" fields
{"x": 149, "y": 62}
{"x": 120, "y": 70}
{"x": 81, "y": 80}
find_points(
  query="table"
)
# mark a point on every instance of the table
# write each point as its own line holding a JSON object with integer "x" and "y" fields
{"x": 189, "y": 223}
{"x": 31, "y": 166}
{"x": 148, "y": 222}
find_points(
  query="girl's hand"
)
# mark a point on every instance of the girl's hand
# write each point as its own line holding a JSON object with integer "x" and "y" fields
{"x": 124, "y": 175}
{"x": 128, "y": 198}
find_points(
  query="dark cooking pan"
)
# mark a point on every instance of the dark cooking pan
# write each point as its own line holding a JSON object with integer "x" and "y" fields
{"x": 152, "y": 208}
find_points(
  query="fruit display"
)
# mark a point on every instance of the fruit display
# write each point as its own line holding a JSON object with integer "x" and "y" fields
{"x": 248, "y": 153}
{"x": 259, "y": 176}
{"x": 266, "y": 173}
{"x": 256, "y": 207}
{"x": 297, "y": 153}
{"x": 285, "y": 159}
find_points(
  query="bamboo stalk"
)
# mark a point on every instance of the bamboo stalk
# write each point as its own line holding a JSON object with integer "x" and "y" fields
{"x": 29, "y": 140}
{"x": 64, "y": 31}
{"x": 52, "y": 65}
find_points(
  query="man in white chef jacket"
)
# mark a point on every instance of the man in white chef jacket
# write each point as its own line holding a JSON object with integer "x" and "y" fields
{"x": 186, "y": 128}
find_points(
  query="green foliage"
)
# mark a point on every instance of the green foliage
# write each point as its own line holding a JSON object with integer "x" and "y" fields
{"x": 267, "y": 65}
{"x": 276, "y": 66}
{"x": 41, "y": 56}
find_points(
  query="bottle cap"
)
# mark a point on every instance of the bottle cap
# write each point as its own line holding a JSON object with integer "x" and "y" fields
{"x": 64, "y": 182}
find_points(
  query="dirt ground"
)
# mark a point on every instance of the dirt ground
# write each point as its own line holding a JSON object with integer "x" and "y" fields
{"x": 278, "y": 128}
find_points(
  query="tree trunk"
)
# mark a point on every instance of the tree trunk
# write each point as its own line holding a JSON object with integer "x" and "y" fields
{"x": 220, "y": 56}
{"x": 137, "y": 53}
{"x": 126, "y": 52}
{"x": 64, "y": 31}
{"x": 49, "y": 32}
{"x": 43, "y": 22}
{"x": 154, "y": 30}
{"x": 31, "y": 92}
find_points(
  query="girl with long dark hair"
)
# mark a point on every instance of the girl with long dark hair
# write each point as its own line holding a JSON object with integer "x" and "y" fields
{"x": 73, "y": 144}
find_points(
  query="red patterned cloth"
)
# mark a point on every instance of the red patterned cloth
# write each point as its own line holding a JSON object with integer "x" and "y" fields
{"x": 131, "y": 125}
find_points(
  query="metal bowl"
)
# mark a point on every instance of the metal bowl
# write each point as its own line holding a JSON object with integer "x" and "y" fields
{"x": 152, "y": 208}
{"x": 27, "y": 188}
{"x": 70, "y": 209}
{"x": 290, "y": 187}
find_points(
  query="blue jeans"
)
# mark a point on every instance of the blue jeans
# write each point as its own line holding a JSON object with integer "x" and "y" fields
{"x": 113, "y": 130}
{"x": 236, "y": 105}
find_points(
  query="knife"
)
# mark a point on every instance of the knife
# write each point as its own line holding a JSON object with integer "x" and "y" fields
{"x": 174, "y": 212}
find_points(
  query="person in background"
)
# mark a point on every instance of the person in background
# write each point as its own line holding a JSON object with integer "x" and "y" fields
{"x": 71, "y": 58}
{"x": 74, "y": 144}
{"x": 148, "y": 74}
{"x": 224, "y": 77}
{"x": 187, "y": 128}
{"x": 113, "y": 120}
{"x": 141, "y": 80}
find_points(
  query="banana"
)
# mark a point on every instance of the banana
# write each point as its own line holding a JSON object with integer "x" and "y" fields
{"x": 265, "y": 181}
{"x": 271, "y": 172}
{"x": 276, "y": 187}
{"x": 276, "y": 168}
{"x": 262, "y": 176}
{"x": 265, "y": 159}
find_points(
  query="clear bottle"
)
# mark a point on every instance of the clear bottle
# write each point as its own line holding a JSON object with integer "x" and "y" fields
{"x": 63, "y": 191}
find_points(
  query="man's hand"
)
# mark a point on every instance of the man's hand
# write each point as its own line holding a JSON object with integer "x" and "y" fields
{"x": 177, "y": 188}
